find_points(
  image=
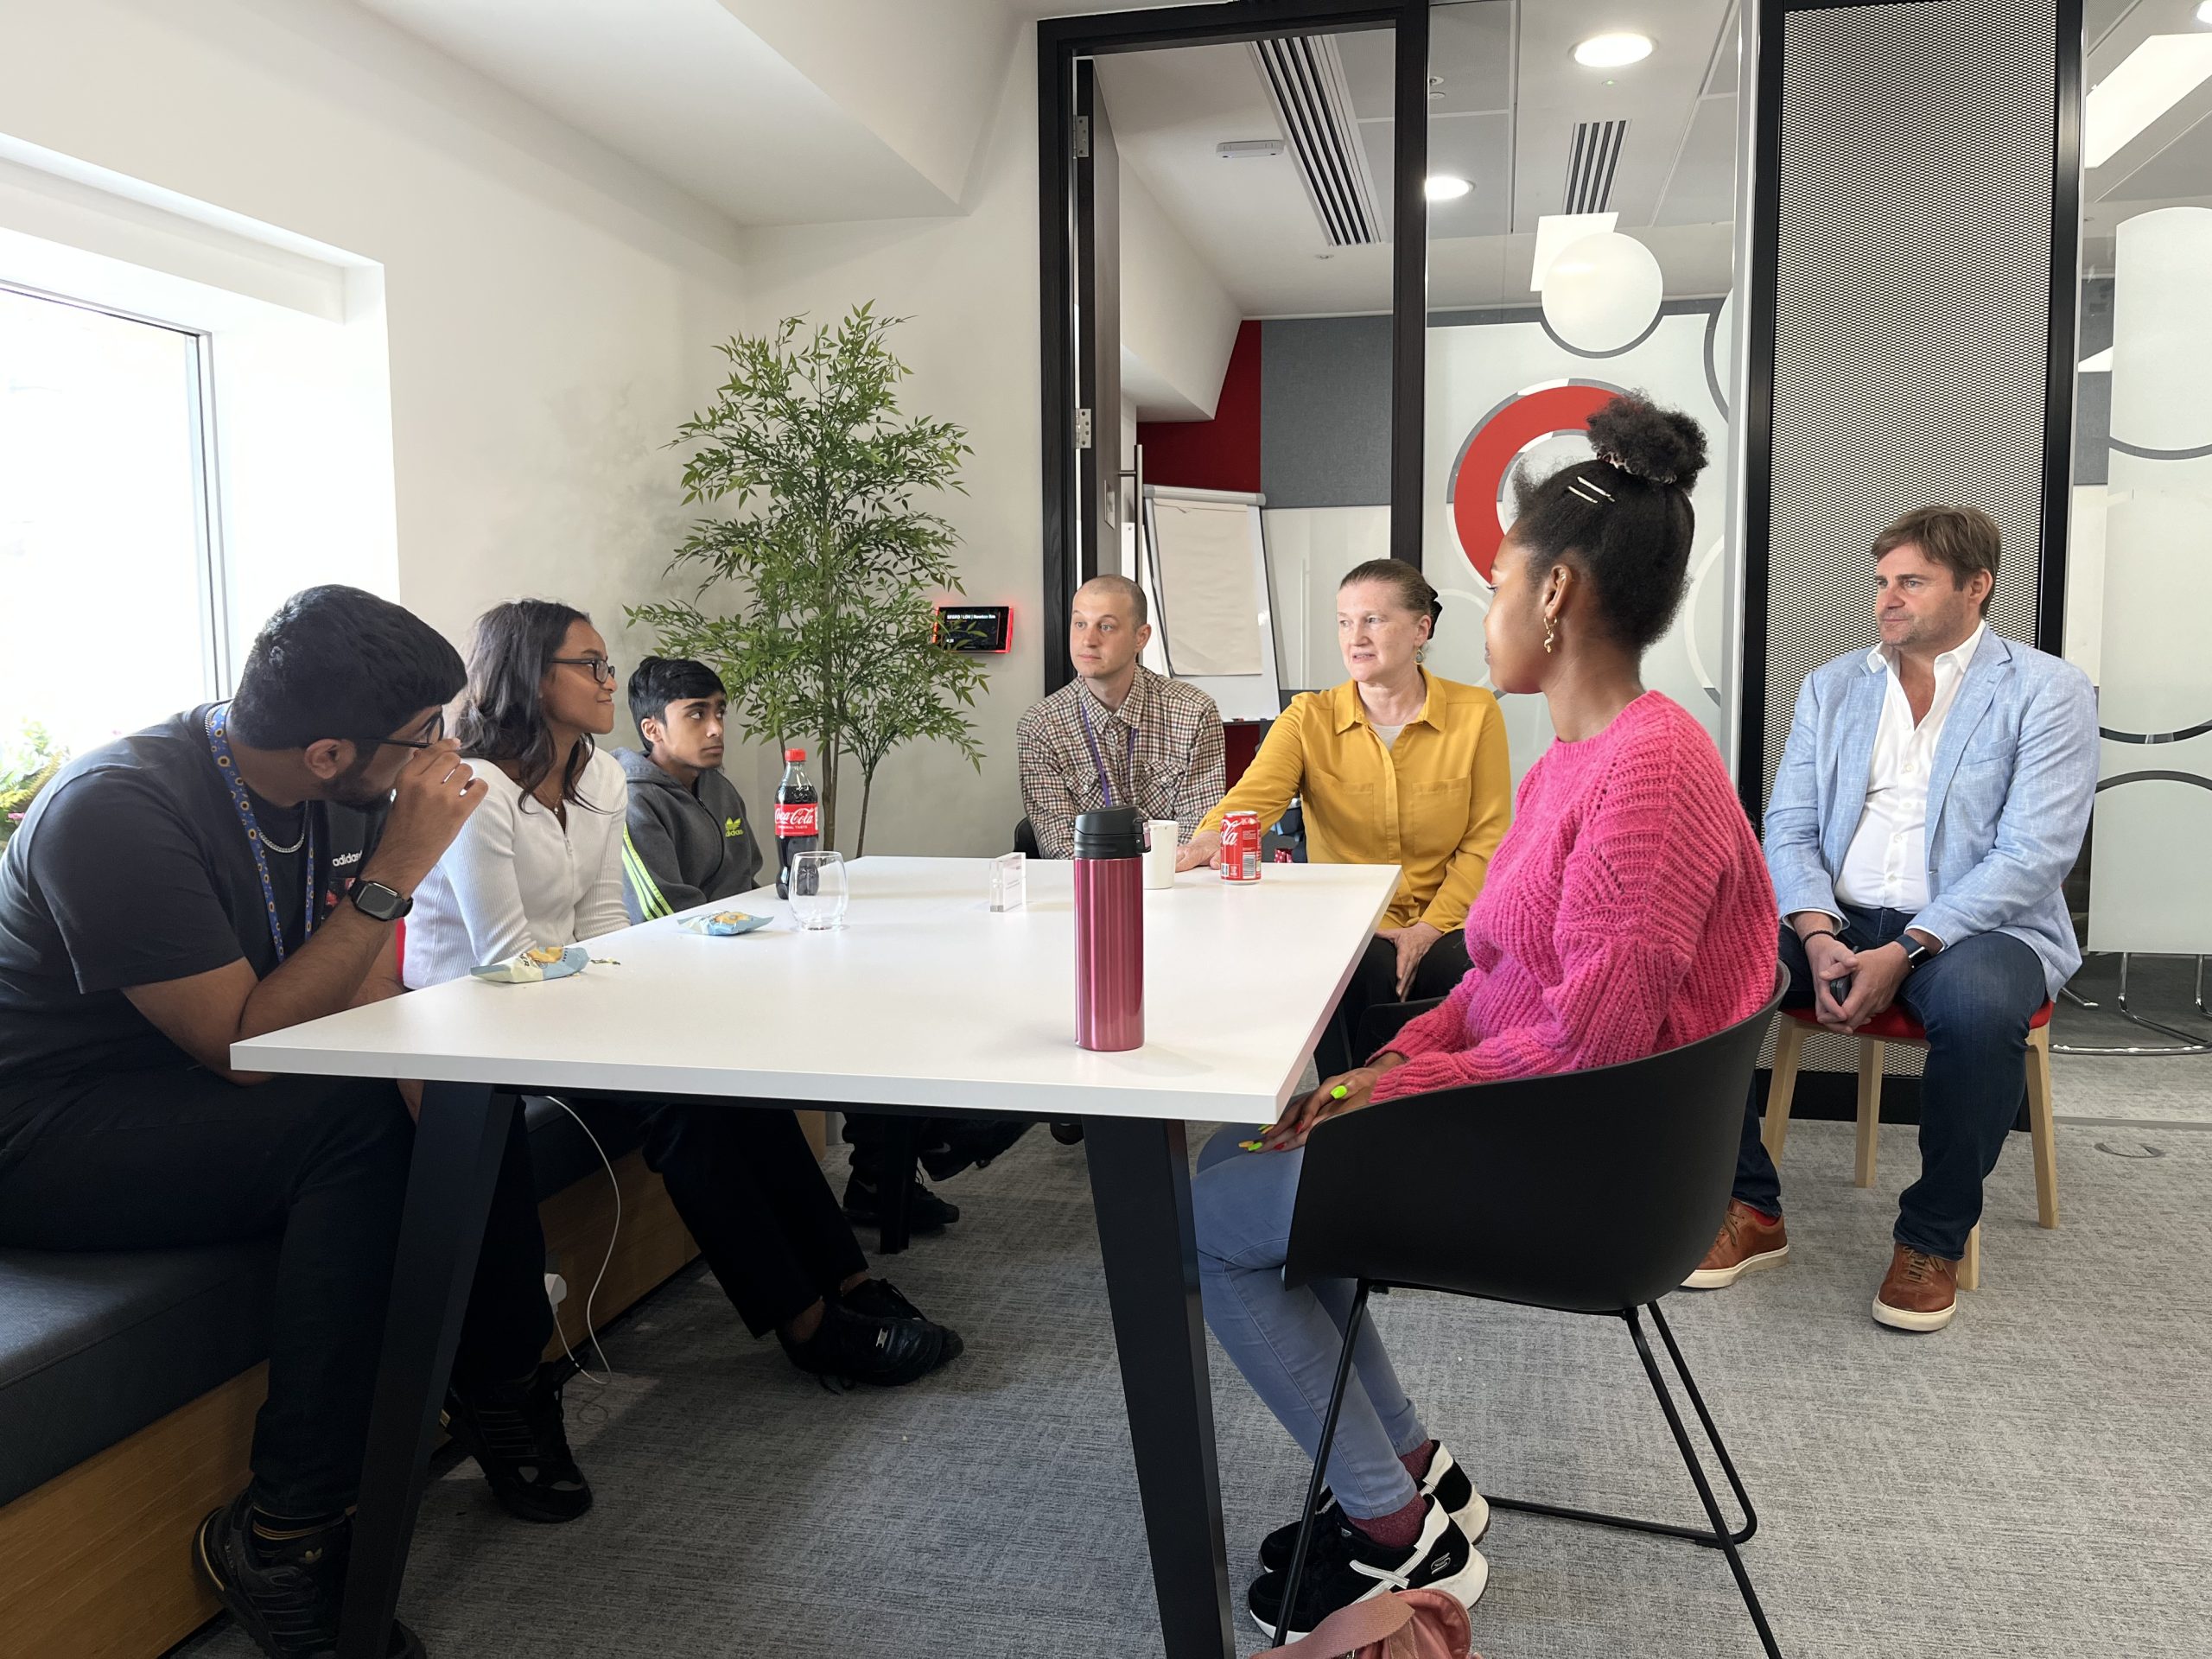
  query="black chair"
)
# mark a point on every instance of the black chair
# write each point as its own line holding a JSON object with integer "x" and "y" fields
{"x": 1446, "y": 1191}
{"x": 1025, "y": 840}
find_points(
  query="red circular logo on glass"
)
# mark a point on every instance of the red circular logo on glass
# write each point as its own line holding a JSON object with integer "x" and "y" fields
{"x": 1481, "y": 473}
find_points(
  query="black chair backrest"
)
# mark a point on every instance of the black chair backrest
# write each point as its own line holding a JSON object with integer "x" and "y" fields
{"x": 1591, "y": 1191}
{"x": 1024, "y": 839}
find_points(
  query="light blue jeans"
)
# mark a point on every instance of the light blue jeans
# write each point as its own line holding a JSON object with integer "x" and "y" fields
{"x": 1288, "y": 1342}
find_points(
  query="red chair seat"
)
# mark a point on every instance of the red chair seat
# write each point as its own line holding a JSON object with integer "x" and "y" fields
{"x": 1895, "y": 1024}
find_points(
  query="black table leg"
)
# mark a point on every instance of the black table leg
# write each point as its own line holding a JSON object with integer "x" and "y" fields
{"x": 894, "y": 1182}
{"x": 458, "y": 1145}
{"x": 1140, "y": 1186}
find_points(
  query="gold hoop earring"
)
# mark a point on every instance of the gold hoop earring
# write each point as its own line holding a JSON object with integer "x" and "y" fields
{"x": 1551, "y": 636}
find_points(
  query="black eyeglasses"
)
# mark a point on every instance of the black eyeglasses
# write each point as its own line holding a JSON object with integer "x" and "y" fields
{"x": 601, "y": 669}
{"x": 436, "y": 735}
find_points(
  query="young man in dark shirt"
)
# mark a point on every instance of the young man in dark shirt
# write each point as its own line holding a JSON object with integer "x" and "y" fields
{"x": 234, "y": 870}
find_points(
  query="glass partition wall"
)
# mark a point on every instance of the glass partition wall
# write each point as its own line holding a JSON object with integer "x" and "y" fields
{"x": 1279, "y": 422}
{"x": 2139, "y": 568}
{"x": 1581, "y": 239}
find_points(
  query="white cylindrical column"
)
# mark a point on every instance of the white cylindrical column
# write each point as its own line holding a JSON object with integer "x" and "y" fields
{"x": 2150, "y": 880}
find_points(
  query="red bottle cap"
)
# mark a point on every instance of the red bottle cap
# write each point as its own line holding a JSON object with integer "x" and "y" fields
{"x": 794, "y": 754}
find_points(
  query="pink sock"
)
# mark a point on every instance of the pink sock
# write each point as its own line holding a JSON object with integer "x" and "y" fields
{"x": 1419, "y": 1458}
{"x": 1397, "y": 1529}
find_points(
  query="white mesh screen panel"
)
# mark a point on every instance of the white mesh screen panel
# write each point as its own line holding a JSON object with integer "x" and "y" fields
{"x": 1911, "y": 306}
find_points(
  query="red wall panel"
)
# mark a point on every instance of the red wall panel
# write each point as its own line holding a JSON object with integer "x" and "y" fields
{"x": 1224, "y": 453}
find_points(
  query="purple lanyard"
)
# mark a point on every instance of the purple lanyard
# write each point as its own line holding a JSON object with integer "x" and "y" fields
{"x": 1098, "y": 756}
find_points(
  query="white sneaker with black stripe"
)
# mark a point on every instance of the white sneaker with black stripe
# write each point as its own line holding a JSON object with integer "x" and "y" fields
{"x": 1445, "y": 1481}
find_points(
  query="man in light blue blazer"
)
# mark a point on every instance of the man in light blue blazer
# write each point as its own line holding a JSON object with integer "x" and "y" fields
{"x": 1932, "y": 797}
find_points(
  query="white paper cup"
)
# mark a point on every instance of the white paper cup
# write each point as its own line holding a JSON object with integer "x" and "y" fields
{"x": 1161, "y": 836}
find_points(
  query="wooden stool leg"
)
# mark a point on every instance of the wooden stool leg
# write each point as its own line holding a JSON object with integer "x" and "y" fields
{"x": 2043, "y": 1132}
{"x": 1970, "y": 1267}
{"x": 1789, "y": 1046}
{"x": 1870, "y": 1110}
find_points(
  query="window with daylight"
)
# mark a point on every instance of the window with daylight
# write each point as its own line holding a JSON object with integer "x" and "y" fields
{"x": 111, "y": 588}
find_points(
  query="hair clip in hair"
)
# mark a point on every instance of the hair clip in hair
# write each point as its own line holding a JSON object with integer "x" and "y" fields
{"x": 1584, "y": 490}
{"x": 1618, "y": 464}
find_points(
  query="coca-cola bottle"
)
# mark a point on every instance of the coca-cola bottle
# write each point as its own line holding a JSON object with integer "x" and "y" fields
{"x": 798, "y": 818}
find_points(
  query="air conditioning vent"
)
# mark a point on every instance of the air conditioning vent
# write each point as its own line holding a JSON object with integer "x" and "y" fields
{"x": 1305, "y": 78}
{"x": 1590, "y": 159}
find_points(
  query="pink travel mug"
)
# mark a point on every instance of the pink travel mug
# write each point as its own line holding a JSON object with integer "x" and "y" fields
{"x": 1109, "y": 928}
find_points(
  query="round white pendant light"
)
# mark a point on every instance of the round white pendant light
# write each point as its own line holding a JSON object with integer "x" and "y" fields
{"x": 1602, "y": 293}
{"x": 1612, "y": 51}
{"x": 1444, "y": 187}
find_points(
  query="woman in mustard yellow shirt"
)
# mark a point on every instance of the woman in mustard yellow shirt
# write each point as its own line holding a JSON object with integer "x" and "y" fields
{"x": 1394, "y": 766}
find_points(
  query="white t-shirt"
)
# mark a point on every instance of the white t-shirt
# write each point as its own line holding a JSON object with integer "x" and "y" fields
{"x": 1886, "y": 866}
{"x": 1389, "y": 734}
{"x": 514, "y": 878}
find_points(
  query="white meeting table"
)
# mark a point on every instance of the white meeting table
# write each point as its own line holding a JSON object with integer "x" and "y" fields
{"x": 924, "y": 1000}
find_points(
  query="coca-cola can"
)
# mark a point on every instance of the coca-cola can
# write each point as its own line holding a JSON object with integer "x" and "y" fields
{"x": 1240, "y": 847}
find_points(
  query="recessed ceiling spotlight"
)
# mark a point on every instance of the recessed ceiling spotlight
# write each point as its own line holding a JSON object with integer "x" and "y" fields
{"x": 1614, "y": 51}
{"x": 1445, "y": 187}
{"x": 2204, "y": 14}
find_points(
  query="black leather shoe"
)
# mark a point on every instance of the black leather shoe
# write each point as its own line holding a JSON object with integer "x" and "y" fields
{"x": 926, "y": 1211}
{"x": 849, "y": 1348}
{"x": 972, "y": 1146}
{"x": 516, "y": 1434}
{"x": 285, "y": 1594}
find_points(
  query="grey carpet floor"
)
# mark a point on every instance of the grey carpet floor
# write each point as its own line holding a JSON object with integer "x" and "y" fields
{"x": 2036, "y": 1480}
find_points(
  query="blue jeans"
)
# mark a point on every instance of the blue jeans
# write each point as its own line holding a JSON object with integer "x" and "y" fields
{"x": 1975, "y": 997}
{"x": 1288, "y": 1342}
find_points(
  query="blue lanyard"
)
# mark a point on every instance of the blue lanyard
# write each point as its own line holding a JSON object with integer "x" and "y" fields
{"x": 1098, "y": 759}
{"x": 219, "y": 745}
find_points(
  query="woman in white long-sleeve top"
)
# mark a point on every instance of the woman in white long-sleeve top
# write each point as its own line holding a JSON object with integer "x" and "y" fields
{"x": 539, "y": 865}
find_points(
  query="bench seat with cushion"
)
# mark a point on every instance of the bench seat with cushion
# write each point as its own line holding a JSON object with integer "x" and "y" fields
{"x": 128, "y": 1381}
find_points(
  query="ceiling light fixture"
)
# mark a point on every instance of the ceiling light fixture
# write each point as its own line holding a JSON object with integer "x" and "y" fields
{"x": 2204, "y": 14}
{"x": 1617, "y": 51}
{"x": 2152, "y": 80}
{"x": 1445, "y": 187}
{"x": 1239, "y": 149}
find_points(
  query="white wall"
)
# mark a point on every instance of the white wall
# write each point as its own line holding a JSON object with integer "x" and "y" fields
{"x": 1179, "y": 325}
{"x": 551, "y": 309}
{"x": 970, "y": 287}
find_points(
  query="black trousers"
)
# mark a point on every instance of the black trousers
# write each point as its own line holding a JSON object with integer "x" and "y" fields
{"x": 1375, "y": 983}
{"x": 748, "y": 1185}
{"x": 864, "y": 1132}
{"x": 163, "y": 1160}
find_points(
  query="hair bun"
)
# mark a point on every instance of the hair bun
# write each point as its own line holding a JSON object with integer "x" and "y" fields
{"x": 1661, "y": 446}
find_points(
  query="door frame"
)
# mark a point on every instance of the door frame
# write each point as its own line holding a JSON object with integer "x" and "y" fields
{"x": 1060, "y": 42}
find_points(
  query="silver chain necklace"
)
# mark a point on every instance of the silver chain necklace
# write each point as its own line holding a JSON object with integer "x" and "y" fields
{"x": 270, "y": 843}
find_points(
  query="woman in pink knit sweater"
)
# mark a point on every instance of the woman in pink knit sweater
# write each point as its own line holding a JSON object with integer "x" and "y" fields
{"x": 1628, "y": 912}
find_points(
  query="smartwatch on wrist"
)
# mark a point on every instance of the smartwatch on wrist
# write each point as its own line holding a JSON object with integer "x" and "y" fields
{"x": 379, "y": 902}
{"x": 1914, "y": 951}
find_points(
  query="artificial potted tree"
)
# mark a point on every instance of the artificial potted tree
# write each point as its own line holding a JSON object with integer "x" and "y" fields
{"x": 817, "y": 597}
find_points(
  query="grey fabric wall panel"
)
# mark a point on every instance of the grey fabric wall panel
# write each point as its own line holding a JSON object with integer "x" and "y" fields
{"x": 1324, "y": 412}
{"x": 1912, "y": 305}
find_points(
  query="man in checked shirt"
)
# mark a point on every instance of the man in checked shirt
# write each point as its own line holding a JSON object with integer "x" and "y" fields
{"x": 1118, "y": 734}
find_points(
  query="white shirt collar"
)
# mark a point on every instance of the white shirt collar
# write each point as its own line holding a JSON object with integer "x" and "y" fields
{"x": 1958, "y": 657}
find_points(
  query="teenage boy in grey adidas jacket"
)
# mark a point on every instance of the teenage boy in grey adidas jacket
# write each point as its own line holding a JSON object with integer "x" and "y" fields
{"x": 689, "y": 839}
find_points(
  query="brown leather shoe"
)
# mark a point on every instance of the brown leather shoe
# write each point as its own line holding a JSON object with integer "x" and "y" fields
{"x": 1748, "y": 1242}
{"x": 1920, "y": 1293}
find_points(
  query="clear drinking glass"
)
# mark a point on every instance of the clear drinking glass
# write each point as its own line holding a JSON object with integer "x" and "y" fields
{"x": 819, "y": 890}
